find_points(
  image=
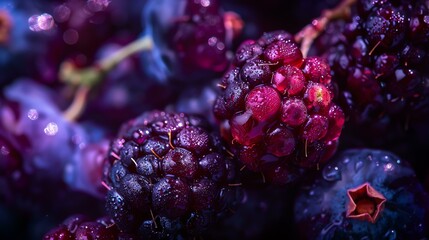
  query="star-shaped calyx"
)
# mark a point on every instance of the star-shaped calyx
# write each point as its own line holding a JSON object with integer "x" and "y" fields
{"x": 365, "y": 203}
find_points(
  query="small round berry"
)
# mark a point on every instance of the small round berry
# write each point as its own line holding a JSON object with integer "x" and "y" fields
{"x": 284, "y": 52}
{"x": 168, "y": 192}
{"x": 293, "y": 112}
{"x": 317, "y": 70}
{"x": 180, "y": 162}
{"x": 289, "y": 80}
{"x": 263, "y": 102}
{"x": 317, "y": 97}
{"x": 281, "y": 142}
{"x": 315, "y": 128}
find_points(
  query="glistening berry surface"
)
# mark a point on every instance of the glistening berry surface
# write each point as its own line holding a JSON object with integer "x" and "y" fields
{"x": 276, "y": 108}
{"x": 168, "y": 168}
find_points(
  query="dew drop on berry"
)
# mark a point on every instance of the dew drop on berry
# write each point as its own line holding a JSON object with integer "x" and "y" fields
{"x": 331, "y": 173}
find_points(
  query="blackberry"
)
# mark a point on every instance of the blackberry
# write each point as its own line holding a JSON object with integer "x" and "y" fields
{"x": 275, "y": 107}
{"x": 168, "y": 176}
{"x": 378, "y": 58}
{"x": 363, "y": 194}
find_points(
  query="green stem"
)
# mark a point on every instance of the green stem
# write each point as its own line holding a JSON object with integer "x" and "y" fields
{"x": 85, "y": 79}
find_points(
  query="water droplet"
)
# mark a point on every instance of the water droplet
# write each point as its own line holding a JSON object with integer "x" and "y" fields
{"x": 358, "y": 166}
{"x": 331, "y": 173}
{"x": 386, "y": 159}
{"x": 33, "y": 114}
{"x": 51, "y": 129}
{"x": 390, "y": 235}
{"x": 41, "y": 22}
{"x": 388, "y": 167}
{"x": 70, "y": 36}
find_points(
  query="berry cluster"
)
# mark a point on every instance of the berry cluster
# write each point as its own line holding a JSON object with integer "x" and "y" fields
{"x": 214, "y": 119}
{"x": 276, "y": 107}
{"x": 379, "y": 57}
{"x": 168, "y": 176}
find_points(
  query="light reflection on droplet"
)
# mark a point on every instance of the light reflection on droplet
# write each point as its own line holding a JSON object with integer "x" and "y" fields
{"x": 51, "y": 129}
{"x": 41, "y": 22}
{"x": 33, "y": 114}
{"x": 70, "y": 36}
{"x": 388, "y": 167}
{"x": 62, "y": 13}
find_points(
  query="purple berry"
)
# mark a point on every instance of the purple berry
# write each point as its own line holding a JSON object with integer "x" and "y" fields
{"x": 172, "y": 175}
{"x": 275, "y": 107}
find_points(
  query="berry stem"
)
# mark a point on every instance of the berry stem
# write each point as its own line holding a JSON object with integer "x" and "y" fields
{"x": 88, "y": 77}
{"x": 78, "y": 104}
{"x": 139, "y": 45}
{"x": 310, "y": 32}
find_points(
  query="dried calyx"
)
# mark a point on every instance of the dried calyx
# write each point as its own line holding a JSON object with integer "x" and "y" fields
{"x": 365, "y": 203}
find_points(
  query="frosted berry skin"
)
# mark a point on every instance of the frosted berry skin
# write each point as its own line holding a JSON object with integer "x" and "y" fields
{"x": 276, "y": 108}
{"x": 168, "y": 176}
{"x": 379, "y": 59}
{"x": 363, "y": 194}
{"x": 190, "y": 40}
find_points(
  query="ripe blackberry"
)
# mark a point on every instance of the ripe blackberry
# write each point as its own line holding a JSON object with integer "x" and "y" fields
{"x": 379, "y": 61}
{"x": 363, "y": 194}
{"x": 168, "y": 176}
{"x": 276, "y": 109}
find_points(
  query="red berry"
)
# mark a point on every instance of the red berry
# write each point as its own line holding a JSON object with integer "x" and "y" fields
{"x": 263, "y": 102}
